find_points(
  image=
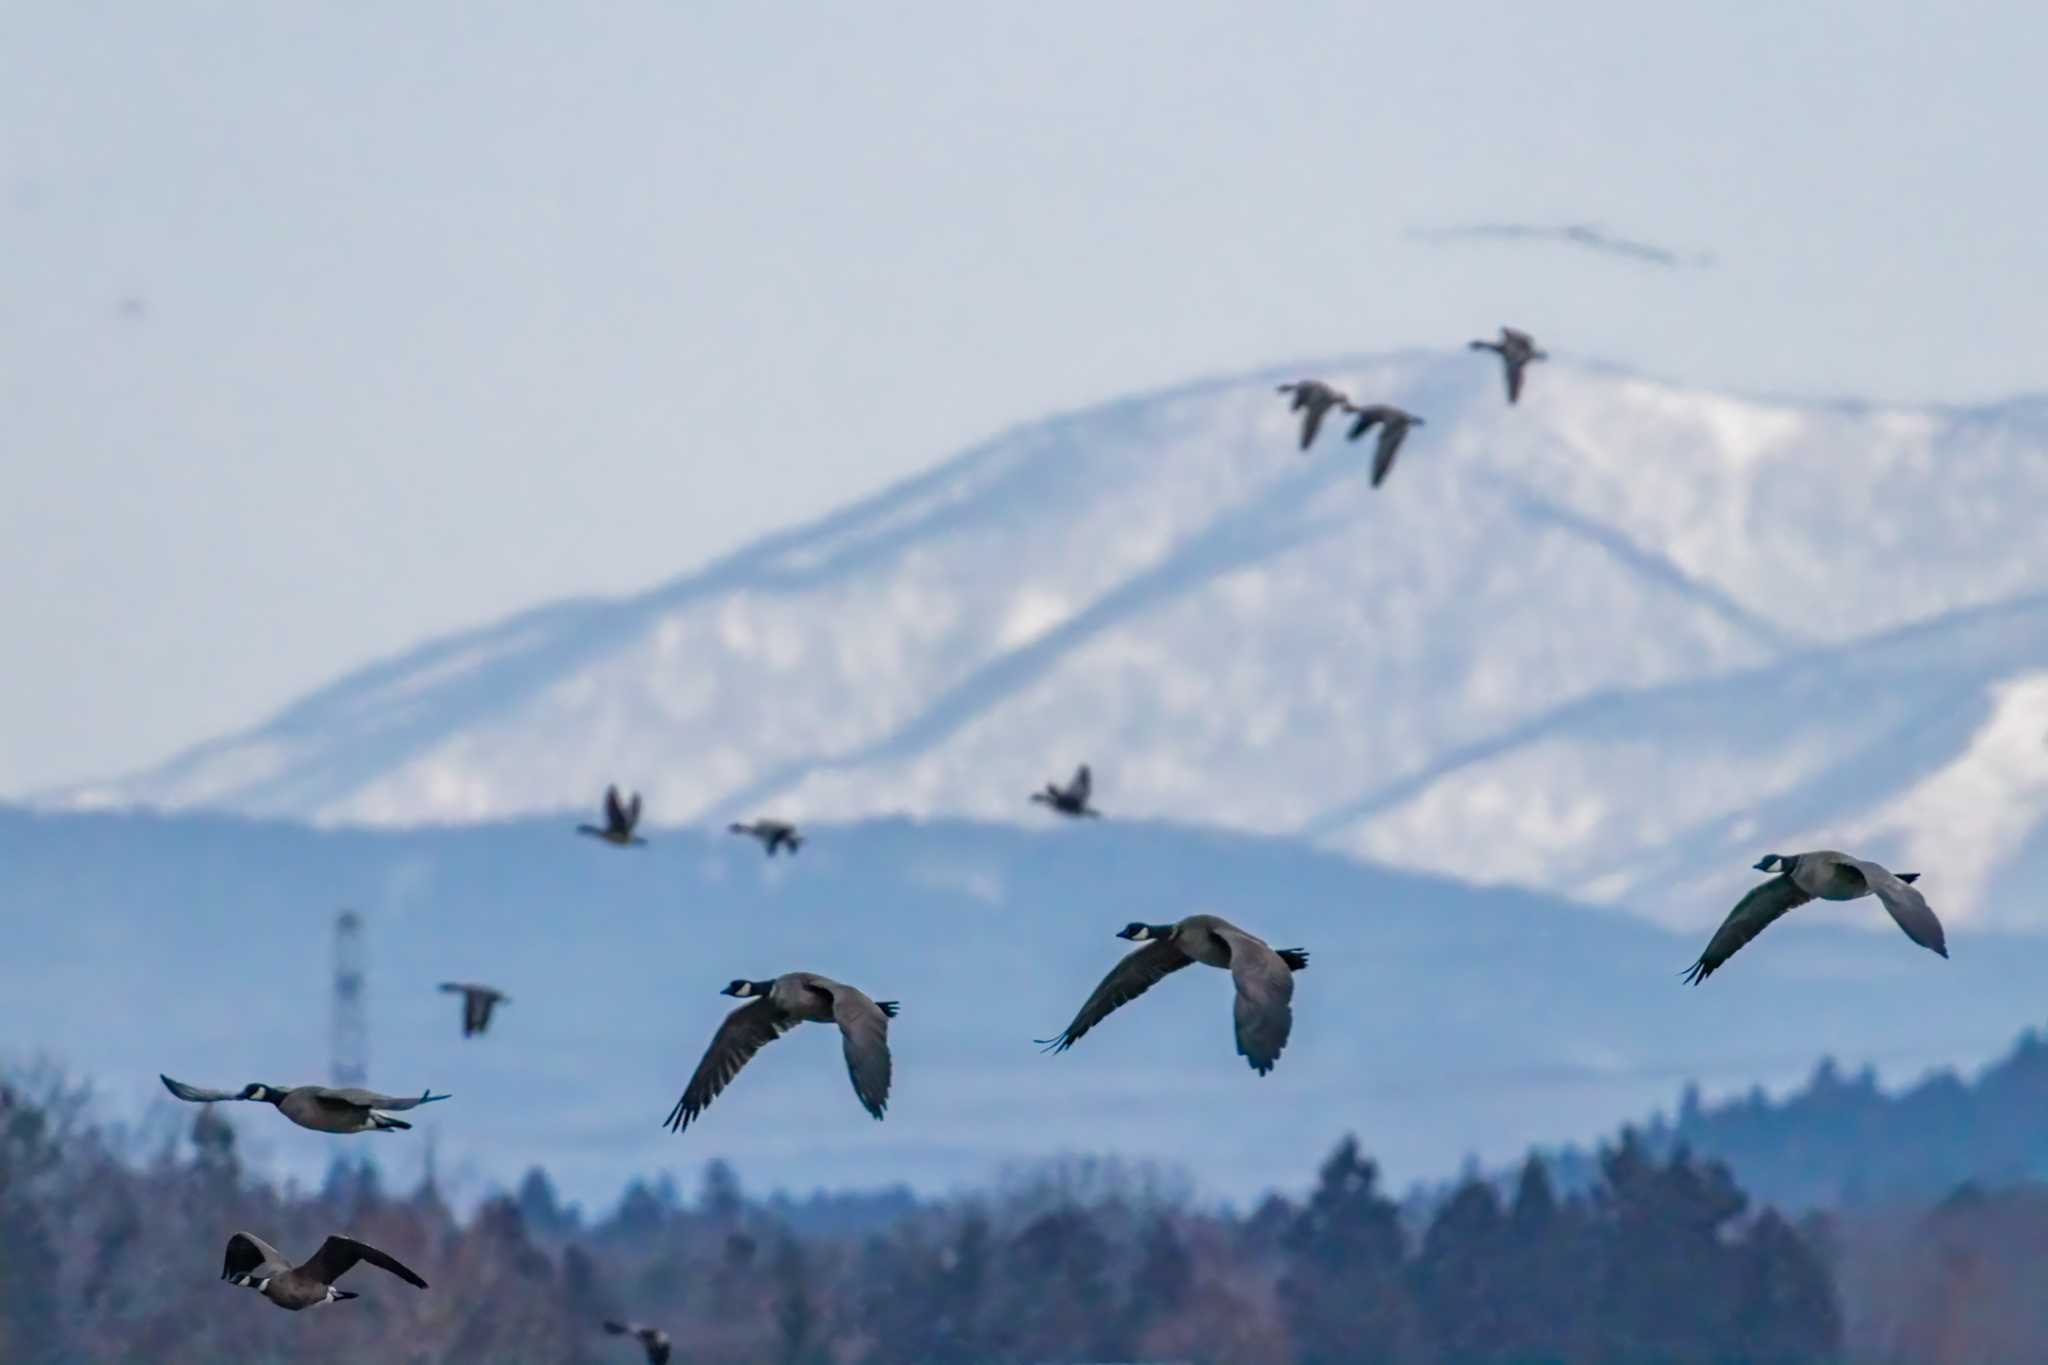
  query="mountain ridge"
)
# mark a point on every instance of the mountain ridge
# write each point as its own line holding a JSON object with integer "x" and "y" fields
{"x": 1160, "y": 583}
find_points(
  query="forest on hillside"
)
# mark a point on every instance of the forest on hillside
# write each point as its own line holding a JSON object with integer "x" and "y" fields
{"x": 111, "y": 1254}
{"x": 1836, "y": 1141}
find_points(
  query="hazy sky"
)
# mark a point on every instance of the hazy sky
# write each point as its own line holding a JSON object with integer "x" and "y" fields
{"x": 326, "y": 327}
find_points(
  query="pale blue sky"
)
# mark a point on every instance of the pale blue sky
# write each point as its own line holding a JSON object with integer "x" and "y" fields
{"x": 450, "y": 309}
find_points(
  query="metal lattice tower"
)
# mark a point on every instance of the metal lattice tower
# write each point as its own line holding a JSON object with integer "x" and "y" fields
{"x": 351, "y": 1041}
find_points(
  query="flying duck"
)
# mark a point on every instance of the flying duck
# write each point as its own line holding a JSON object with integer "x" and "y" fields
{"x": 1264, "y": 977}
{"x": 773, "y": 1009}
{"x": 773, "y": 834}
{"x": 1312, "y": 398}
{"x": 255, "y": 1264}
{"x": 620, "y": 817}
{"x": 1515, "y": 349}
{"x": 315, "y": 1106}
{"x": 1393, "y": 424}
{"x": 652, "y": 1339}
{"x": 477, "y": 1004}
{"x": 1071, "y": 799}
{"x": 1830, "y": 876}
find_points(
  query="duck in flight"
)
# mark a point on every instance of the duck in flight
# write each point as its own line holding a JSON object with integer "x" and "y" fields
{"x": 1312, "y": 399}
{"x": 477, "y": 1004}
{"x": 315, "y": 1106}
{"x": 1071, "y": 799}
{"x": 255, "y": 1264}
{"x": 652, "y": 1339}
{"x": 775, "y": 1007}
{"x": 773, "y": 834}
{"x": 620, "y": 819}
{"x": 1824, "y": 875}
{"x": 1264, "y": 977}
{"x": 1516, "y": 350}
{"x": 1393, "y": 424}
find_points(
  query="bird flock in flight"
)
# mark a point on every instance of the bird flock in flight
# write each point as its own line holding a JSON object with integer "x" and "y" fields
{"x": 1262, "y": 977}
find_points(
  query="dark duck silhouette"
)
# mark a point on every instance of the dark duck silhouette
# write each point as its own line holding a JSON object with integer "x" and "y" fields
{"x": 652, "y": 1340}
{"x": 1393, "y": 424}
{"x": 620, "y": 819}
{"x": 477, "y": 1004}
{"x": 1312, "y": 399}
{"x": 775, "y": 835}
{"x": 1071, "y": 799}
{"x": 1516, "y": 350}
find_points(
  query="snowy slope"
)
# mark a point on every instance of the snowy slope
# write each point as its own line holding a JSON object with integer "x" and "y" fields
{"x": 1610, "y": 643}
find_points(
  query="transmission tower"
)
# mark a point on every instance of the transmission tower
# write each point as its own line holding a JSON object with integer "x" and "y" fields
{"x": 351, "y": 1057}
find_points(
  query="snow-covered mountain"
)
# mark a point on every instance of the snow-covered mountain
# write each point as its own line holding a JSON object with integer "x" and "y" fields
{"x": 1614, "y": 643}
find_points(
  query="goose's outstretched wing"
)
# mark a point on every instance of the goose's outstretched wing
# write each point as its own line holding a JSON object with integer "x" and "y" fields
{"x": 1083, "y": 785}
{"x": 1137, "y": 973}
{"x": 1514, "y": 366}
{"x": 633, "y": 812}
{"x": 370, "y": 1099}
{"x": 745, "y": 1032}
{"x": 1312, "y": 421}
{"x": 1751, "y": 915}
{"x": 614, "y": 809}
{"x": 196, "y": 1094}
{"x": 1264, "y": 1009}
{"x": 249, "y": 1255}
{"x": 338, "y": 1255}
{"x": 864, "y": 1029}
{"x": 1389, "y": 446}
{"x": 1909, "y": 909}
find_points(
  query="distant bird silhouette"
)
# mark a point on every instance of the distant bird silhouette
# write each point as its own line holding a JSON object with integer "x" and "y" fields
{"x": 477, "y": 1004}
{"x": 1516, "y": 350}
{"x": 255, "y": 1264}
{"x": 1829, "y": 876}
{"x": 773, "y": 1009}
{"x": 1393, "y": 424}
{"x": 773, "y": 834}
{"x": 620, "y": 819}
{"x": 1071, "y": 799}
{"x": 652, "y": 1339}
{"x": 315, "y": 1106}
{"x": 1264, "y": 977}
{"x": 1312, "y": 399}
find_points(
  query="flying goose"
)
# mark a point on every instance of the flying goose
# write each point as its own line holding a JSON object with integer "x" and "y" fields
{"x": 1830, "y": 876}
{"x": 1515, "y": 349}
{"x": 653, "y": 1339}
{"x": 315, "y": 1106}
{"x": 773, "y": 1009}
{"x": 255, "y": 1264}
{"x": 620, "y": 818}
{"x": 1312, "y": 398}
{"x": 1393, "y": 424}
{"x": 477, "y": 1004}
{"x": 1264, "y": 978}
{"x": 773, "y": 834}
{"x": 1071, "y": 799}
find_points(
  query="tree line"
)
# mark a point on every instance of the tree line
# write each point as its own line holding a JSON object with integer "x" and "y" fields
{"x": 106, "y": 1255}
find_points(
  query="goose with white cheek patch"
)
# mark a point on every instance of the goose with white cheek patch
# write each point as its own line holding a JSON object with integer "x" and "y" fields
{"x": 1823, "y": 875}
{"x": 255, "y": 1264}
{"x": 775, "y": 1007}
{"x": 1263, "y": 1012}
